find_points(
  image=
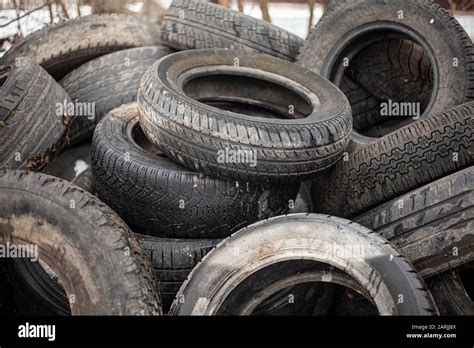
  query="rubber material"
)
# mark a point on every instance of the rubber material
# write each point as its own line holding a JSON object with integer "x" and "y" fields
{"x": 194, "y": 24}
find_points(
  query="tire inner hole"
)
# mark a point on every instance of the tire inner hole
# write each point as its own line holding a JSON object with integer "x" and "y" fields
{"x": 299, "y": 295}
{"x": 388, "y": 80}
{"x": 248, "y": 95}
{"x": 467, "y": 279}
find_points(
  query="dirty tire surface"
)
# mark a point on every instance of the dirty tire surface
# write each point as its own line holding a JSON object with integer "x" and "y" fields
{"x": 173, "y": 260}
{"x": 30, "y": 126}
{"x": 197, "y": 135}
{"x": 166, "y": 199}
{"x": 401, "y": 161}
{"x": 429, "y": 223}
{"x": 62, "y": 47}
{"x": 91, "y": 230}
{"x": 106, "y": 83}
{"x": 383, "y": 272}
{"x": 194, "y": 24}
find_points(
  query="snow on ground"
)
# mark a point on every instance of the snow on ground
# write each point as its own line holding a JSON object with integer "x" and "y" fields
{"x": 292, "y": 17}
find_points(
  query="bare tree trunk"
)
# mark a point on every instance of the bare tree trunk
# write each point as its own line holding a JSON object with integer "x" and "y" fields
{"x": 311, "y": 4}
{"x": 63, "y": 8}
{"x": 17, "y": 11}
{"x": 240, "y": 5}
{"x": 51, "y": 15}
{"x": 265, "y": 12}
{"x": 108, "y": 6}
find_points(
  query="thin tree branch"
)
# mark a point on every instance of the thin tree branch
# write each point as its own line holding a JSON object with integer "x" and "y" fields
{"x": 24, "y": 15}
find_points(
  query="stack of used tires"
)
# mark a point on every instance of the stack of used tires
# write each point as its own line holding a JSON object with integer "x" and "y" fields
{"x": 217, "y": 164}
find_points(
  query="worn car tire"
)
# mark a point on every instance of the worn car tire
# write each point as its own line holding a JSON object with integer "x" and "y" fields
{"x": 194, "y": 24}
{"x": 152, "y": 192}
{"x": 348, "y": 26}
{"x": 62, "y": 47}
{"x": 173, "y": 260}
{"x": 70, "y": 228}
{"x": 450, "y": 292}
{"x": 31, "y": 127}
{"x": 229, "y": 279}
{"x": 401, "y": 161}
{"x": 173, "y": 115}
{"x": 432, "y": 225}
{"x": 106, "y": 83}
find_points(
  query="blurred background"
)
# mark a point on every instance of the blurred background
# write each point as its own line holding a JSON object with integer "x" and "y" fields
{"x": 18, "y": 18}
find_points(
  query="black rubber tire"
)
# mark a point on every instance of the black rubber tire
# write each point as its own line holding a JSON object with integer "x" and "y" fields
{"x": 228, "y": 279}
{"x": 173, "y": 260}
{"x": 73, "y": 165}
{"x": 35, "y": 291}
{"x": 194, "y": 24}
{"x": 431, "y": 225}
{"x": 31, "y": 130}
{"x": 62, "y": 47}
{"x": 394, "y": 69}
{"x": 166, "y": 199}
{"x": 71, "y": 228}
{"x": 450, "y": 294}
{"x": 199, "y": 136}
{"x": 337, "y": 36}
{"x": 108, "y": 82}
{"x": 401, "y": 161}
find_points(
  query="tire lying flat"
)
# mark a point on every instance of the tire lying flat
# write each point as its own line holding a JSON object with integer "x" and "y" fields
{"x": 62, "y": 47}
{"x": 193, "y": 24}
{"x": 229, "y": 279}
{"x": 32, "y": 128}
{"x": 399, "y": 162}
{"x": 311, "y": 138}
{"x": 432, "y": 226}
{"x": 71, "y": 228}
{"x": 338, "y": 37}
{"x": 106, "y": 83}
{"x": 152, "y": 192}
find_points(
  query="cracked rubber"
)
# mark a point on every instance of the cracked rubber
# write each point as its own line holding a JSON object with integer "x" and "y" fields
{"x": 292, "y": 148}
{"x": 431, "y": 225}
{"x": 401, "y": 161}
{"x": 106, "y": 83}
{"x": 84, "y": 242}
{"x": 230, "y": 272}
{"x": 31, "y": 130}
{"x": 194, "y": 24}
{"x": 62, "y": 47}
{"x": 166, "y": 199}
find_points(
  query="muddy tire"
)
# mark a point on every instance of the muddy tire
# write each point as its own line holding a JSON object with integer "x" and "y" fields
{"x": 406, "y": 159}
{"x": 431, "y": 225}
{"x": 62, "y": 47}
{"x": 233, "y": 278}
{"x": 173, "y": 260}
{"x": 81, "y": 229}
{"x": 450, "y": 292}
{"x": 194, "y": 24}
{"x": 31, "y": 127}
{"x": 310, "y": 136}
{"x": 444, "y": 41}
{"x": 106, "y": 83}
{"x": 166, "y": 199}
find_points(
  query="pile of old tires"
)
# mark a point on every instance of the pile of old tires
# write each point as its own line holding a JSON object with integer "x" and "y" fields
{"x": 217, "y": 164}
